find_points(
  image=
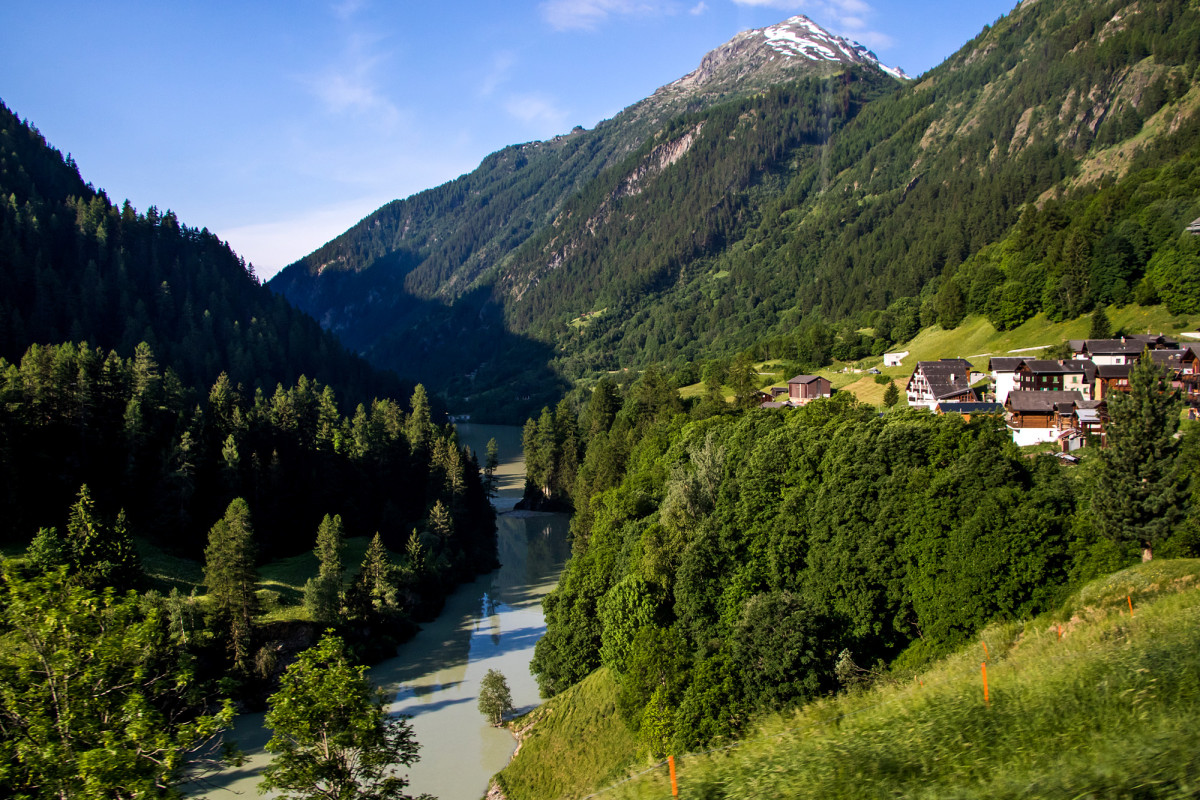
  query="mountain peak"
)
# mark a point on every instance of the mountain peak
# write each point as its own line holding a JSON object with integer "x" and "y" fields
{"x": 762, "y": 53}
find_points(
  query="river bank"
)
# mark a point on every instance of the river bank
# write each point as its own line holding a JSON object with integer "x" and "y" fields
{"x": 491, "y": 623}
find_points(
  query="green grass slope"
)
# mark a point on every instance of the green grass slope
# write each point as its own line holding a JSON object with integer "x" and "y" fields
{"x": 1085, "y": 702}
{"x": 570, "y": 744}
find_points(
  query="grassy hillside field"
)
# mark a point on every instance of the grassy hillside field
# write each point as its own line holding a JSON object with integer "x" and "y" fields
{"x": 976, "y": 340}
{"x": 1087, "y": 701}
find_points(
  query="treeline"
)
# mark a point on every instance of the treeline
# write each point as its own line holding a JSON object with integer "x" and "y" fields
{"x": 740, "y": 563}
{"x": 73, "y": 415}
{"x": 76, "y": 267}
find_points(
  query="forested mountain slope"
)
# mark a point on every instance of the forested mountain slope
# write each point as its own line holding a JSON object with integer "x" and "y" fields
{"x": 1042, "y": 167}
{"x": 418, "y": 277}
{"x": 141, "y": 358}
{"x": 75, "y": 267}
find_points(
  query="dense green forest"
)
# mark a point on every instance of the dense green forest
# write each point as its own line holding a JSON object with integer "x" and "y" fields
{"x": 1049, "y": 165}
{"x": 74, "y": 415}
{"x": 156, "y": 399}
{"x": 732, "y": 564}
{"x": 76, "y": 267}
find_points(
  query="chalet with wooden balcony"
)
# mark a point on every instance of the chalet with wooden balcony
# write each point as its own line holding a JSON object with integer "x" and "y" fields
{"x": 1039, "y": 416}
{"x": 1111, "y": 378}
{"x": 936, "y": 381}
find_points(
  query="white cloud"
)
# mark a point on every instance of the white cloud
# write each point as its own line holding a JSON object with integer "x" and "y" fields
{"x": 537, "y": 110}
{"x": 588, "y": 14}
{"x": 497, "y": 73}
{"x": 351, "y": 85}
{"x": 271, "y": 246}
{"x": 698, "y": 9}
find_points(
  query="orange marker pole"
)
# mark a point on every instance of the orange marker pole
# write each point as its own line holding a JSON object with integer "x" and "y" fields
{"x": 985, "y": 686}
{"x": 1060, "y": 631}
{"x": 986, "y": 655}
{"x": 1130, "y": 599}
{"x": 674, "y": 785}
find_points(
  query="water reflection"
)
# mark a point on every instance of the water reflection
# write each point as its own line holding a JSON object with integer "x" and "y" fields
{"x": 492, "y": 623}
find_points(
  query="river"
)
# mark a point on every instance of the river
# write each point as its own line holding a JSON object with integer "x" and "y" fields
{"x": 491, "y": 623}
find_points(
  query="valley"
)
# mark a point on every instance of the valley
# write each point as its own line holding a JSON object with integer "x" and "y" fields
{"x": 622, "y": 413}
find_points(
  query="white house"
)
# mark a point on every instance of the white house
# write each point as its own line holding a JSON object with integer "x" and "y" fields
{"x": 894, "y": 359}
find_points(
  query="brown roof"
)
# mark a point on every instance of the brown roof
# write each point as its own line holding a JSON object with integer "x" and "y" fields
{"x": 1041, "y": 402}
{"x": 807, "y": 379}
{"x": 1041, "y": 366}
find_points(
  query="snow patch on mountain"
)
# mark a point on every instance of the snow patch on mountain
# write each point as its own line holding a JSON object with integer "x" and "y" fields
{"x": 800, "y": 37}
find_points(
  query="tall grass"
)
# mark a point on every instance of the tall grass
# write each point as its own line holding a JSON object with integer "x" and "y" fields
{"x": 1106, "y": 711}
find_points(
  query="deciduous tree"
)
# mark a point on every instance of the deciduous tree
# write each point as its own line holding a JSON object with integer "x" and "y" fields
{"x": 331, "y": 736}
{"x": 495, "y": 699}
{"x": 98, "y": 697}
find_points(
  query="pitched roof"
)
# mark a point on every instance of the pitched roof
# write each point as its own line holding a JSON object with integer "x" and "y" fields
{"x": 1041, "y": 402}
{"x": 1127, "y": 345}
{"x": 806, "y": 379}
{"x": 1169, "y": 358}
{"x": 1110, "y": 371}
{"x": 943, "y": 376}
{"x": 1005, "y": 364}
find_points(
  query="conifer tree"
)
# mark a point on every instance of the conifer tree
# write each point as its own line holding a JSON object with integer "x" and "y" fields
{"x": 891, "y": 395}
{"x": 441, "y": 522}
{"x": 375, "y": 583}
{"x": 1101, "y": 328}
{"x": 323, "y": 594}
{"x": 489, "y": 467}
{"x": 101, "y": 554}
{"x": 1138, "y": 496}
{"x": 231, "y": 578}
{"x": 420, "y": 422}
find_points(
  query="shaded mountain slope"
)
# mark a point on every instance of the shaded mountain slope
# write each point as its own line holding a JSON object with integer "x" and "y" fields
{"x": 744, "y": 199}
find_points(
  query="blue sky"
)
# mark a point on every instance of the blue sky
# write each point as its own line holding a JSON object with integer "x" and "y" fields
{"x": 278, "y": 125}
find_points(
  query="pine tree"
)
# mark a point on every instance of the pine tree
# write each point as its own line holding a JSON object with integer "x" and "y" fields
{"x": 489, "y": 468}
{"x": 323, "y": 594}
{"x": 231, "y": 578}
{"x": 891, "y": 395}
{"x": 101, "y": 554}
{"x": 420, "y": 424}
{"x": 1101, "y": 328}
{"x": 375, "y": 582}
{"x": 441, "y": 522}
{"x": 1138, "y": 496}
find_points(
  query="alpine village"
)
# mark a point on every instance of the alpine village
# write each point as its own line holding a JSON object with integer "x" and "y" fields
{"x": 864, "y": 407}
